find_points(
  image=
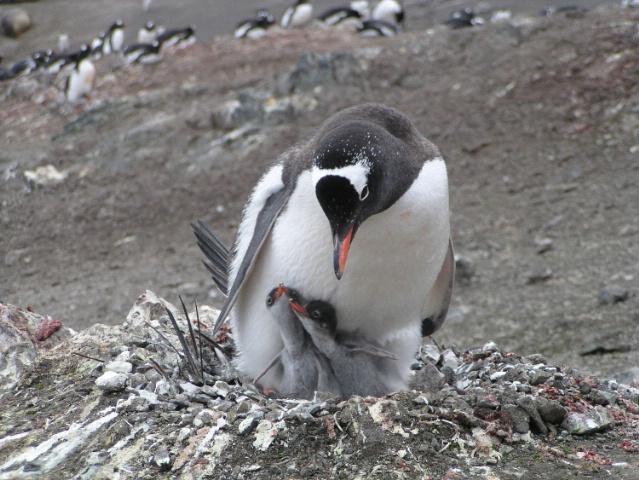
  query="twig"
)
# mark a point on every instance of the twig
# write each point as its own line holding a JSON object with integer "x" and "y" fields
{"x": 185, "y": 347}
{"x": 87, "y": 356}
{"x": 197, "y": 316}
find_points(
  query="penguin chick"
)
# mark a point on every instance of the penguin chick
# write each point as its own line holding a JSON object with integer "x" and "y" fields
{"x": 361, "y": 367}
{"x": 302, "y": 368}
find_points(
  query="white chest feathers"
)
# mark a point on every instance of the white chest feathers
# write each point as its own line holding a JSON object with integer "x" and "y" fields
{"x": 81, "y": 80}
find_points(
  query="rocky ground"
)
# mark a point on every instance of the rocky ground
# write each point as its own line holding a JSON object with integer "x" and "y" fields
{"x": 538, "y": 118}
{"x": 123, "y": 402}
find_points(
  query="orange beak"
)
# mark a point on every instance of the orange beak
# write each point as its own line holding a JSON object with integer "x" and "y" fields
{"x": 297, "y": 307}
{"x": 340, "y": 252}
{"x": 281, "y": 290}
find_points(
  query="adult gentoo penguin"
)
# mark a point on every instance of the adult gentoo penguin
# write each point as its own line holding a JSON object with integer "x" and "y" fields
{"x": 304, "y": 369}
{"x": 359, "y": 204}
{"x": 81, "y": 79}
{"x": 142, "y": 53}
{"x": 114, "y": 39}
{"x": 148, "y": 33}
{"x": 390, "y": 11}
{"x": 359, "y": 365}
{"x": 298, "y": 15}
{"x": 254, "y": 27}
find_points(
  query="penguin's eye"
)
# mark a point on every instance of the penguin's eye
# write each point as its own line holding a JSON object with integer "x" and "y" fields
{"x": 364, "y": 194}
{"x": 315, "y": 314}
{"x": 269, "y": 301}
{"x": 293, "y": 296}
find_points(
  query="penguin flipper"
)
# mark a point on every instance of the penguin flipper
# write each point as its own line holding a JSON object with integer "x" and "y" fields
{"x": 438, "y": 301}
{"x": 216, "y": 252}
{"x": 369, "y": 349}
{"x": 269, "y": 212}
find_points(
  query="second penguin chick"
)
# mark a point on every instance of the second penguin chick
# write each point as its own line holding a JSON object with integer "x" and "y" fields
{"x": 361, "y": 367}
{"x": 302, "y": 367}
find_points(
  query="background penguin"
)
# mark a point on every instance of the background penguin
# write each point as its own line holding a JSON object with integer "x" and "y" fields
{"x": 55, "y": 63}
{"x": 362, "y": 7}
{"x": 114, "y": 39}
{"x": 337, "y": 15}
{"x": 361, "y": 367}
{"x": 182, "y": 36}
{"x": 302, "y": 369}
{"x": 366, "y": 185}
{"x": 81, "y": 79}
{"x": 97, "y": 46}
{"x": 254, "y": 27}
{"x": 390, "y": 11}
{"x": 146, "y": 53}
{"x": 148, "y": 33}
{"x": 63, "y": 42}
{"x": 33, "y": 62}
{"x": 376, "y": 28}
{"x": 298, "y": 15}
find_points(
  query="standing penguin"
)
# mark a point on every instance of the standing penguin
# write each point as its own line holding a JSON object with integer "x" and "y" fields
{"x": 360, "y": 366}
{"x": 362, "y": 199}
{"x": 390, "y": 11}
{"x": 302, "y": 368}
{"x": 298, "y": 15}
{"x": 81, "y": 80}
{"x": 148, "y": 33}
{"x": 114, "y": 38}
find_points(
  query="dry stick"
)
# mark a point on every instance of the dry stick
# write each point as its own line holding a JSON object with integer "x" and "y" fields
{"x": 87, "y": 356}
{"x": 168, "y": 342}
{"x": 213, "y": 344}
{"x": 185, "y": 347}
{"x": 159, "y": 369}
{"x": 188, "y": 322}
{"x": 197, "y": 316}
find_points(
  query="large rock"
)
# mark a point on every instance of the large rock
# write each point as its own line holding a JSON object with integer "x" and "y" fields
{"x": 15, "y": 22}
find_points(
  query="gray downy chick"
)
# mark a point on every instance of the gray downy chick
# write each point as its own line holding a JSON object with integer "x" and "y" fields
{"x": 361, "y": 367}
{"x": 301, "y": 367}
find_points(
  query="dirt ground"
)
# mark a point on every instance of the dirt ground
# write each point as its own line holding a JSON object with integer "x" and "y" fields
{"x": 538, "y": 120}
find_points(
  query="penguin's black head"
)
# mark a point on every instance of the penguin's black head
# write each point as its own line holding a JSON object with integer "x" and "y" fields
{"x": 321, "y": 313}
{"x": 355, "y": 173}
{"x": 275, "y": 294}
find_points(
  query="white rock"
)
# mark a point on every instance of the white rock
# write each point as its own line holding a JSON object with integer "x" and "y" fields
{"x": 118, "y": 367}
{"x": 45, "y": 175}
{"x": 112, "y": 381}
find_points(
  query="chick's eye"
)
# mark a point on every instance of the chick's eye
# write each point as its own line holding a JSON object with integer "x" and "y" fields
{"x": 364, "y": 193}
{"x": 294, "y": 296}
{"x": 269, "y": 301}
{"x": 315, "y": 314}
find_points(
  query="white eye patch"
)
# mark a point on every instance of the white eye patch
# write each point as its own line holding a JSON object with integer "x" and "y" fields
{"x": 356, "y": 174}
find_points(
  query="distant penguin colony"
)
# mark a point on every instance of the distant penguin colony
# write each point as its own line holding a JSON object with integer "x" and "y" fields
{"x": 77, "y": 65}
{"x": 384, "y": 20}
